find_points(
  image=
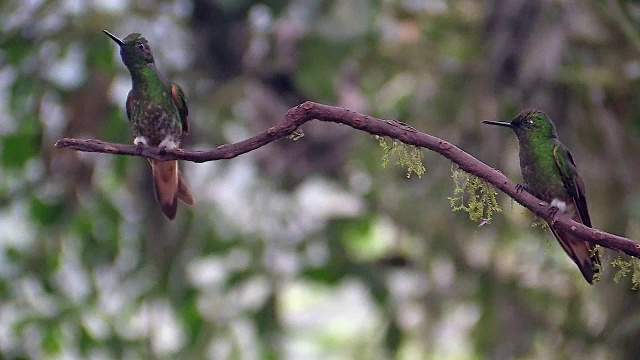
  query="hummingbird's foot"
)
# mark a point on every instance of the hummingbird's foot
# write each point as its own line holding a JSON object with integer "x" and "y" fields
{"x": 553, "y": 210}
{"x": 168, "y": 143}
{"x": 520, "y": 188}
{"x": 141, "y": 143}
{"x": 557, "y": 205}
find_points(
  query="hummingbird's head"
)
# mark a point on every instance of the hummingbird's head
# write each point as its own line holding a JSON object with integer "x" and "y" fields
{"x": 529, "y": 123}
{"x": 134, "y": 50}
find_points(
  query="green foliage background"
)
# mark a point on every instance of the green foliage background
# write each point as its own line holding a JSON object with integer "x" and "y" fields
{"x": 310, "y": 248}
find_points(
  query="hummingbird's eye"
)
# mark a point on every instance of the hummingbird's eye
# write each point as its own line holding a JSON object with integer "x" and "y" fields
{"x": 529, "y": 121}
{"x": 140, "y": 46}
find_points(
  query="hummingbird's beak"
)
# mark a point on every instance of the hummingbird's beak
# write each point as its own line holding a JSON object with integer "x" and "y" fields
{"x": 499, "y": 123}
{"x": 113, "y": 37}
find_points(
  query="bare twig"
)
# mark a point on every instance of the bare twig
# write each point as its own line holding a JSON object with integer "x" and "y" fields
{"x": 307, "y": 111}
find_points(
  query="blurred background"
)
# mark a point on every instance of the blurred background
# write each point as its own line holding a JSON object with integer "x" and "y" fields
{"x": 310, "y": 249}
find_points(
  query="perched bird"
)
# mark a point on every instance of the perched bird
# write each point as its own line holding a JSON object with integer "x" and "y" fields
{"x": 550, "y": 174}
{"x": 157, "y": 113}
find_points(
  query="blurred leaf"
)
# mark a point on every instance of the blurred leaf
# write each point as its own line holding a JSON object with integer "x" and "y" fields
{"x": 16, "y": 49}
{"x": 191, "y": 315}
{"x": 18, "y": 148}
{"x": 46, "y": 213}
{"x": 116, "y": 127}
{"x": 100, "y": 52}
{"x": 393, "y": 337}
{"x": 51, "y": 342}
{"x": 320, "y": 58}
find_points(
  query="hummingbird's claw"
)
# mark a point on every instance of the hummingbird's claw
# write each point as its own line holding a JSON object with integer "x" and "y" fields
{"x": 520, "y": 188}
{"x": 140, "y": 147}
{"x": 140, "y": 142}
{"x": 553, "y": 210}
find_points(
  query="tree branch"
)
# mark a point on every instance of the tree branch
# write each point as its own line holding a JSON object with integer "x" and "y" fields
{"x": 307, "y": 111}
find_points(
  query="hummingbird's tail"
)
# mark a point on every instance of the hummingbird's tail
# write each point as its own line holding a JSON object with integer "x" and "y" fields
{"x": 184, "y": 193}
{"x": 169, "y": 186}
{"x": 581, "y": 252}
{"x": 166, "y": 184}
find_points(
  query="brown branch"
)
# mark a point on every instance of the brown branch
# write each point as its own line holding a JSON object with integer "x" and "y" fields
{"x": 307, "y": 111}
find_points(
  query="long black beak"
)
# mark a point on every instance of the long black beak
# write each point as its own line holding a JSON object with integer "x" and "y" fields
{"x": 113, "y": 37}
{"x": 499, "y": 123}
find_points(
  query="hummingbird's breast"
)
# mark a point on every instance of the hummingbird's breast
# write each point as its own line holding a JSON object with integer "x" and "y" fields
{"x": 540, "y": 173}
{"x": 156, "y": 120}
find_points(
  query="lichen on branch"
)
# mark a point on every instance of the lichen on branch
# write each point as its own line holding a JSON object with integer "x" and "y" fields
{"x": 406, "y": 155}
{"x": 473, "y": 196}
{"x": 626, "y": 267}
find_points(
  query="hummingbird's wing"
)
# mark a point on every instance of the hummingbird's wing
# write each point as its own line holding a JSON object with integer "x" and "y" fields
{"x": 129, "y": 105}
{"x": 572, "y": 181}
{"x": 583, "y": 253}
{"x": 178, "y": 98}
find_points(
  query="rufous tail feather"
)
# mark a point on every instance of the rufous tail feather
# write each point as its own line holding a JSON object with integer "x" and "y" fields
{"x": 184, "y": 193}
{"x": 166, "y": 184}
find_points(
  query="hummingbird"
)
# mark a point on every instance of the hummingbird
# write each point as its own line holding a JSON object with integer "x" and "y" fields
{"x": 157, "y": 112}
{"x": 550, "y": 174}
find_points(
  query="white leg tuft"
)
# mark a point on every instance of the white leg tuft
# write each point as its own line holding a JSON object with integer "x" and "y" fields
{"x": 140, "y": 141}
{"x": 169, "y": 142}
{"x": 561, "y": 205}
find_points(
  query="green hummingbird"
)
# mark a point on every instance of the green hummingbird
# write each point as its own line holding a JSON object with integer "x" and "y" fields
{"x": 157, "y": 112}
{"x": 550, "y": 174}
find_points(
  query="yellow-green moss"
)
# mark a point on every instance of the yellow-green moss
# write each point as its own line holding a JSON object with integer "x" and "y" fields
{"x": 408, "y": 156}
{"x": 473, "y": 196}
{"x": 631, "y": 266}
